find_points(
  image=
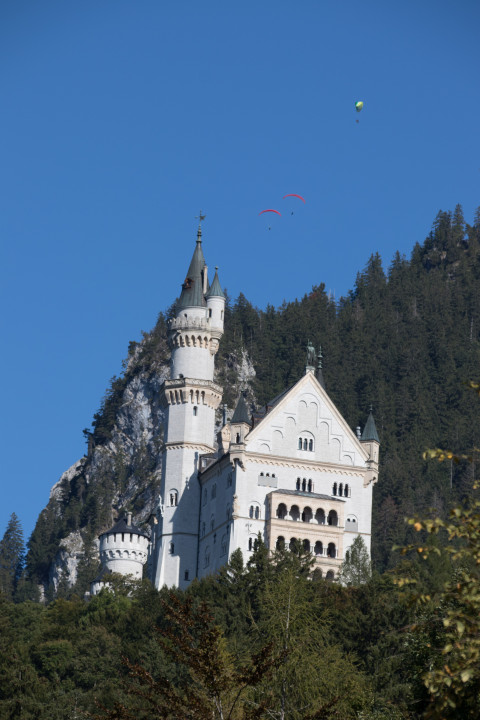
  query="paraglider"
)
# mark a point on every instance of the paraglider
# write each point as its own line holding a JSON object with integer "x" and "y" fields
{"x": 270, "y": 211}
{"x": 358, "y": 107}
{"x": 293, "y": 195}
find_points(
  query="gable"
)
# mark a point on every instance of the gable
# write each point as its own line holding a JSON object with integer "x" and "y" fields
{"x": 306, "y": 415}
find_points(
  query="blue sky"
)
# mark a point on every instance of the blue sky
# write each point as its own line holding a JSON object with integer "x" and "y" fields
{"x": 121, "y": 120}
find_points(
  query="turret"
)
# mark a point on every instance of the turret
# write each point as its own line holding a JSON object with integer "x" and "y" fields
{"x": 371, "y": 443}
{"x": 123, "y": 550}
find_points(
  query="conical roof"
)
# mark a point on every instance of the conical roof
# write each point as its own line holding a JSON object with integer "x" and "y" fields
{"x": 215, "y": 289}
{"x": 370, "y": 430}
{"x": 122, "y": 526}
{"x": 192, "y": 288}
{"x": 241, "y": 414}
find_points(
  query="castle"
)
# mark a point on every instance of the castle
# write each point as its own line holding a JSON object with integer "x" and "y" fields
{"x": 293, "y": 471}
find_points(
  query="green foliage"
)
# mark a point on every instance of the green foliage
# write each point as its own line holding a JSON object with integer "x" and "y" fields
{"x": 356, "y": 568}
{"x": 12, "y": 552}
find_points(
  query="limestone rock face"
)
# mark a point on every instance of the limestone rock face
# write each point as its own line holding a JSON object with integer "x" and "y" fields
{"x": 122, "y": 468}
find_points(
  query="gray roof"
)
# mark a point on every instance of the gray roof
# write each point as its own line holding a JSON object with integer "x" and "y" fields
{"x": 121, "y": 526}
{"x": 370, "y": 430}
{"x": 192, "y": 289}
{"x": 241, "y": 413}
{"x": 303, "y": 493}
{"x": 215, "y": 289}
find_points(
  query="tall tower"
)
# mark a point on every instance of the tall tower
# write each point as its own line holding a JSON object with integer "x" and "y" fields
{"x": 190, "y": 398}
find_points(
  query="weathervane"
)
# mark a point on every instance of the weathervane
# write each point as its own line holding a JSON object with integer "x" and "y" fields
{"x": 200, "y": 217}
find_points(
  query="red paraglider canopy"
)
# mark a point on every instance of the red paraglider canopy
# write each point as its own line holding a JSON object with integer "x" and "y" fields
{"x": 274, "y": 211}
{"x": 294, "y": 195}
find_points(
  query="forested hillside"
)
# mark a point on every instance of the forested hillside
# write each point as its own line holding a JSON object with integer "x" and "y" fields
{"x": 405, "y": 340}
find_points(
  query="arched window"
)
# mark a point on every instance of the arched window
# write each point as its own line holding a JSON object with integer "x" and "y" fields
{"x": 332, "y": 518}
{"x": 293, "y": 544}
{"x": 340, "y": 489}
{"x": 306, "y": 545}
{"x": 254, "y": 511}
{"x": 320, "y": 516}
{"x": 257, "y": 512}
{"x": 282, "y": 511}
{"x": 304, "y": 484}
{"x": 250, "y": 544}
{"x": 318, "y": 548}
{"x": 300, "y": 443}
{"x": 171, "y": 548}
{"x": 309, "y": 486}
{"x": 334, "y": 491}
{"x": 330, "y": 575}
{"x": 195, "y": 410}
{"x": 298, "y": 484}
{"x": 237, "y": 438}
{"x": 173, "y": 498}
{"x": 310, "y": 445}
{"x": 295, "y": 512}
{"x": 250, "y": 513}
{"x": 305, "y": 444}
{"x": 331, "y": 550}
{"x": 307, "y": 515}
{"x": 280, "y": 544}
{"x": 346, "y": 491}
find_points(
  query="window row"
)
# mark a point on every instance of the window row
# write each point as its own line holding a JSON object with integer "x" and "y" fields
{"x": 283, "y": 513}
{"x": 262, "y": 474}
{"x": 341, "y": 490}
{"x": 304, "y": 485}
{"x": 305, "y": 444}
{"x": 319, "y": 549}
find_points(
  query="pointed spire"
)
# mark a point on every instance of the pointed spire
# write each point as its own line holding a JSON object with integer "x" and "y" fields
{"x": 192, "y": 288}
{"x": 215, "y": 289}
{"x": 241, "y": 413}
{"x": 370, "y": 429}
{"x": 319, "y": 373}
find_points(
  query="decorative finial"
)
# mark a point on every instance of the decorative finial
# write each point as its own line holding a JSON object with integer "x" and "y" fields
{"x": 200, "y": 217}
{"x": 320, "y": 356}
{"x": 310, "y": 356}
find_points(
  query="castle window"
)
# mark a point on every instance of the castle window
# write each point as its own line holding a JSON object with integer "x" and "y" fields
{"x": 300, "y": 443}
{"x": 273, "y": 475}
{"x": 280, "y": 545}
{"x": 340, "y": 489}
{"x": 310, "y": 445}
{"x": 237, "y": 438}
{"x": 210, "y": 312}
{"x": 195, "y": 410}
{"x": 251, "y": 511}
{"x": 304, "y": 484}
{"x": 332, "y": 518}
{"x": 346, "y": 491}
{"x": 250, "y": 544}
{"x": 186, "y": 574}
{"x": 257, "y": 513}
{"x": 318, "y": 548}
{"x": 330, "y": 575}
{"x": 171, "y": 548}
{"x": 309, "y": 486}
{"x": 334, "y": 490}
{"x": 282, "y": 511}
{"x": 305, "y": 444}
{"x": 173, "y": 498}
{"x": 295, "y": 513}
{"x": 298, "y": 483}
{"x": 331, "y": 550}
{"x": 307, "y": 515}
{"x": 306, "y": 545}
{"x": 320, "y": 516}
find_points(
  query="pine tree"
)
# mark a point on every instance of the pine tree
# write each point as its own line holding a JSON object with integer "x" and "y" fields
{"x": 12, "y": 553}
{"x": 356, "y": 568}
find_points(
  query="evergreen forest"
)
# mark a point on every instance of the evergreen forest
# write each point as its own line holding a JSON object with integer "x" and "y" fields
{"x": 398, "y": 638}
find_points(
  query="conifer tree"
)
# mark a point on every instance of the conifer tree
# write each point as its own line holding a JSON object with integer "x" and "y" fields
{"x": 11, "y": 557}
{"x": 356, "y": 568}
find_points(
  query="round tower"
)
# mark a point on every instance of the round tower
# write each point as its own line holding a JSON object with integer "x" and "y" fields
{"x": 190, "y": 398}
{"x": 123, "y": 550}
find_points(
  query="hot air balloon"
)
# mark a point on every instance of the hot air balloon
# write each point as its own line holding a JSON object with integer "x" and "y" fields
{"x": 359, "y": 105}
